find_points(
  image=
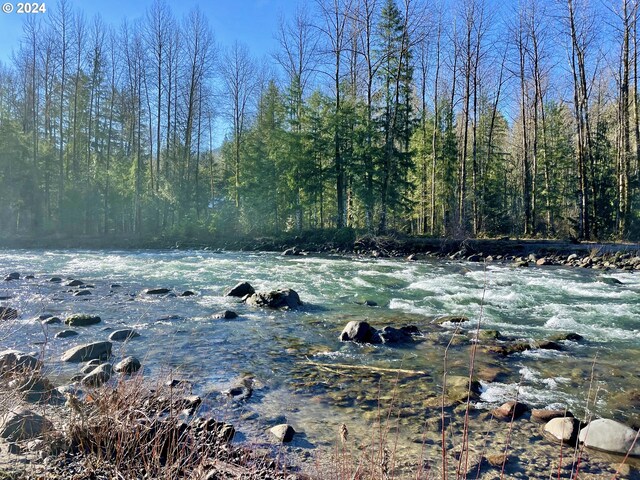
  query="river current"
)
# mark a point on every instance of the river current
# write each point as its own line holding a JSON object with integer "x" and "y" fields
{"x": 290, "y": 354}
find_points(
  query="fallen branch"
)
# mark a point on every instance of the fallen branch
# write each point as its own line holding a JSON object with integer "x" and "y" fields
{"x": 342, "y": 366}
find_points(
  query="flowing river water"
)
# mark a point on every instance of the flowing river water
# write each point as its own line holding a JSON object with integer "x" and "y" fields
{"x": 299, "y": 365}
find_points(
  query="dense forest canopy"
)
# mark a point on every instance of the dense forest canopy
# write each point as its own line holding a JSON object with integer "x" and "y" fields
{"x": 442, "y": 119}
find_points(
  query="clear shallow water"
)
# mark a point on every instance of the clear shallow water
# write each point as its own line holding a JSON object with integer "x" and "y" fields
{"x": 276, "y": 347}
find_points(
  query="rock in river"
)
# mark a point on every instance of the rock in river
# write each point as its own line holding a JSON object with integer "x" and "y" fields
{"x": 128, "y": 365}
{"x": 88, "y": 351}
{"x": 226, "y": 315}
{"x": 359, "y": 332}
{"x": 98, "y": 376}
{"x": 611, "y": 436}
{"x": 122, "y": 335}
{"x": 240, "y": 290}
{"x": 66, "y": 334}
{"x": 284, "y": 432}
{"x": 275, "y": 299}
{"x": 80, "y": 320}
{"x": 157, "y": 291}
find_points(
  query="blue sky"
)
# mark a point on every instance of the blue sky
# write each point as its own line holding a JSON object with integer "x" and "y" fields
{"x": 253, "y": 22}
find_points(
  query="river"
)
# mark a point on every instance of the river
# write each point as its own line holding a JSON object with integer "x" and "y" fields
{"x": 290, "y": 353}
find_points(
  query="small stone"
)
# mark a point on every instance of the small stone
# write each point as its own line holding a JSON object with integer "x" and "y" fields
{"x": 81, "y": 320}
{"x": 66, "y": 334}
{"x": 187, "y": 293}
{"x": 510, "y": 410}
{"x": 157, "y": 291}
{"x": 13, "y": 449}
{"x": 123, "y": 335}
{"x": 283, "y": 432}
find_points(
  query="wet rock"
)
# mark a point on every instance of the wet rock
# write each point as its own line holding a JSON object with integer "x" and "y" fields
{"x": 359, "y": 332}
{"x": 240, "y": 290}
{"x": 543, "y": 416}
{"x": 283, "y": 433}
{"x": 74, "y": 283}
{"x": 23, "y": 424}
{"x": 564, "y": 430}
{"x": 81, "y": 320}
{"x": 55, "y": 280}
{"x": 367, "y": 303}
{"x": 573, "y": 337}
{"x": 547, "y": 345}
{"x": 128, "y": 365}
{"x": 521, "y": 264}
{"x": 157, "y": 291}
{"x": 510, "y": 410}
{"x": 8, "y": 313}
{"x": 123, "y": 335}
{"x": 543, "y": 261}
{"x": 610, "y": 436}
{"x": 115, "y": 285}
{"x": 66, "y": 334}
{"x": 395, "y": 335}
{"x": 89, "y": 351}
{"x": 51, "y": 321}
{"x": 275, "y": 299}
{"x": 187, "y": 293}
{"x": 226, "y": 315}
{"x": 242, "y": 391}
{"x": 460, "y": 390}
{"x": 12, "y": 276}
{"x": 98, "y": 376}
{"x": 82, "y": 293}
{"x": 450, "y": 319}
{"x": 510, "y": 349}
{"x": 295, "y": 251}
{"x": 486, "y": 335}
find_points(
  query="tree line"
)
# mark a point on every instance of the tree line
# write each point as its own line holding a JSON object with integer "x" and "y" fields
{"x": 425, "y": 117}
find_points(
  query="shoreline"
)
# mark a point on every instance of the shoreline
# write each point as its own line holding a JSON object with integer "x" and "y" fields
{"x": 520, "y": 252}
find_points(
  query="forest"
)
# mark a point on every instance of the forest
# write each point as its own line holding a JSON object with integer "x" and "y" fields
{"x": 445, "y": 119}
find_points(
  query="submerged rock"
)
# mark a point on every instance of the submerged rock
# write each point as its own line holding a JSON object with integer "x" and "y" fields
{"x": 23, "y": 424}
{"x": 66, "y": 334}
{"x": 74, "y": 283}
{"x": 51, "y": 321}
{"x": 81, "y": 320}
{"x": 82, "y": 293}
{"x": 12, "y": 276}
{"x": 396, "y": 335}
{"x": 89, "y": 351}
{"x": 240, "y": 290}
{"x": 611, "y": 436}
{"x": 283, "y": 432}
{"x": 450, "y": 319}
{"x": 157, "y": 291}
{"x": 187, "y": 293}
{"x": 275, "y": 299}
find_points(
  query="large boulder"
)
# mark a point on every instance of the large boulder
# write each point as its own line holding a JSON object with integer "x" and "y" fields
{"x": 359, "y": 332}
{"x": 123, "y": 335}
{"x": 611, "y": 436}
{"x": 241, "y": 290}
{"x": 81, "y": 320}
{"x": 89, "y": 351}
{"x": 275, "y": 299}
{"x": 22, "y": 424}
